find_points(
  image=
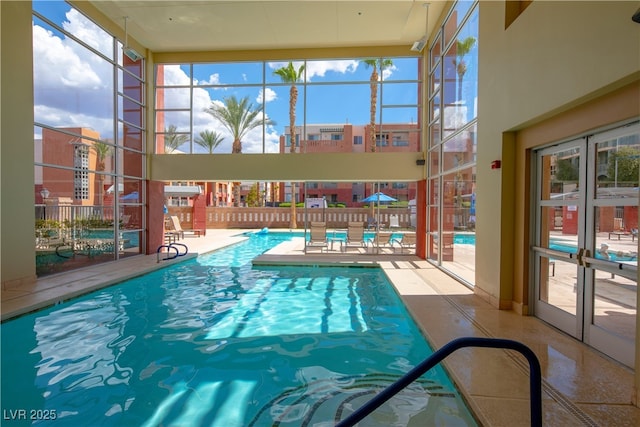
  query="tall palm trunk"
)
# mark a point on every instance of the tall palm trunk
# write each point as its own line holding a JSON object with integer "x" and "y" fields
{"x": 236, "y": 149}
{"x": 373, "y": 83}
{"x": 289, "y": 74}
{"x": 293, "y": 99}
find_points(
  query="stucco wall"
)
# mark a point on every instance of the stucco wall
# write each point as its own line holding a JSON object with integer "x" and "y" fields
{"x": 17, "y": 198}
{"x": 554, "y": 57}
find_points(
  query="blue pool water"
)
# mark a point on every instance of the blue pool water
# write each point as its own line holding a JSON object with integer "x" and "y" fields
{"x": 470, "y": 239}
{"x": 214, "y": 341}
{"x": 466, "y": 239}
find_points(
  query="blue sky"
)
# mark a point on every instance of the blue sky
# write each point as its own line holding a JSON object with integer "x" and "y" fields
{"x": 73, "y": 86}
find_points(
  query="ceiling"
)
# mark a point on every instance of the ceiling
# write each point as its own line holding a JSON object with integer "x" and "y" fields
{"x": 176, "y": 26}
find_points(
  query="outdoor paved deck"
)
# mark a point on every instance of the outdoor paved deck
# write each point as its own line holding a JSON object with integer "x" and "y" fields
{"x": 580, "y": 386}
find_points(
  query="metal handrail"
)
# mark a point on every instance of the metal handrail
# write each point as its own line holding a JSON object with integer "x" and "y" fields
{"x": 535, "y": 383}
{"x": 186, "y": 249}
{"x": 168, "y": 247}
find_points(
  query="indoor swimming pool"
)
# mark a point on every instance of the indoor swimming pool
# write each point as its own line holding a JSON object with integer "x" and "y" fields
{"x": 216, "y": 341}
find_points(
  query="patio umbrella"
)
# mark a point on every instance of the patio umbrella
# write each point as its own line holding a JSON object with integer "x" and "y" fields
{"x": 379, "y": 197}
{"x": 131, "y": 196}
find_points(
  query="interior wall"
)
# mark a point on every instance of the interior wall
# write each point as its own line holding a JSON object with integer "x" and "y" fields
{"x": 611, "y": 110}
{"x": 554, "y": 57}
{"x": 334, "y": 167}
{"x": 17, "y": 172}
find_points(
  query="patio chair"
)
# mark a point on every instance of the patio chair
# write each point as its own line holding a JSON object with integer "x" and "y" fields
{"x": 355, "y": 236}
{"x": 407, "y": 241}
{"x": 384, "y": 241}
{"x": 394, "y": 221}
{"x": 173, "y": 230}
{"x": 318, "y": 239}
{"x": 176, "y": 228}
{"x": 371, "y": 223}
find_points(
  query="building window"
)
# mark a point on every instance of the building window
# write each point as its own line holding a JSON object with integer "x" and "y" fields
{"x": 382, "y": 140}
{"x": 401, "y": 140}
{"x": 357, "y": 140}
{"x": 81, "y": 172}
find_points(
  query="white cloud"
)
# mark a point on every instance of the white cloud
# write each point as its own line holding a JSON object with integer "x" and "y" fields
{"x": 320, "y": 68}
{"x": 174, "y": 76}
{"x": 387, "y": 72}
{"x": 57, "y": 63}
{"x": 85, "y": 30}
{"x": 271, "y": 95}
{"x": 73, "y": 87}
{"x": 214, "y": 79}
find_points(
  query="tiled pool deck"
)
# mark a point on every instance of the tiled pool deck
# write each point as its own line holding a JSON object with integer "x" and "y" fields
{"x": 580, "y": 386}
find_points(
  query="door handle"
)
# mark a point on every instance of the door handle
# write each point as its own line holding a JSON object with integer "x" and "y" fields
{"x": 581, "y": 255}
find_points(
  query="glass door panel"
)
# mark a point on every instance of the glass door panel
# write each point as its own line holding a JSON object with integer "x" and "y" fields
{"x": 559, "y": 290}
{"x": 611, "y": 247}
{"x": 586, "y": 244}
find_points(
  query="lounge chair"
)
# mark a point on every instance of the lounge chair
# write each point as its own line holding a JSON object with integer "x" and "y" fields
{"x": 384, "y": 241}
{"x": 318, "y": 239}
{"x": 176, "y": 228}
{"x": 371, "y": 223}
{"x": 355, "y": 236}
{"x": 407, "y": 241}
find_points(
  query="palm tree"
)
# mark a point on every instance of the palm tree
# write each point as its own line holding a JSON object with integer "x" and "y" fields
{"x": 172, "y": 139}
{"x": 462, "y": 49}
{"x": 290, "y": 75}
{"x": 375, "y": 64}
{"x": 209, "y": 140}
{"x": 238, "y": 117}
{"x": 102, "y": 150}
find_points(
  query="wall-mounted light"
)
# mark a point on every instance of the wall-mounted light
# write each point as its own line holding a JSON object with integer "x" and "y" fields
{"x": 636, "y": 16}
{"x": 129, "y": 51}
{"x": 418, "y": 45}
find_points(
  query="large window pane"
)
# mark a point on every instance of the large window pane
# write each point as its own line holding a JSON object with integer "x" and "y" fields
{"x": 131, "y": 136}
{"x": 357, "y": 104}
{"x": 459, "y": 149}
{"x": 173, "y": 75}
{"x": 173, "y": 98}
{"x": 83, "y": 98}
{"x": 70, "y": 22}
{"x": 78, "y": 142}
{"x": 401, "y": 93}
{"x": 453, "y": 88}
{"x": 235, "y": 73}
{"x": 617, "y": 166}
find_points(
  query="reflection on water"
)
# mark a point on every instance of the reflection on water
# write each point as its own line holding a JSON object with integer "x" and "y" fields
{"x": 214, "y": 341}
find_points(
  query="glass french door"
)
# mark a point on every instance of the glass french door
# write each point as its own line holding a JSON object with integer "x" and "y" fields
{"x": 586, "y": 244}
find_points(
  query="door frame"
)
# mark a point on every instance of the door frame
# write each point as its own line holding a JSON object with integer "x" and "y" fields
{"x": 580, "y": 324}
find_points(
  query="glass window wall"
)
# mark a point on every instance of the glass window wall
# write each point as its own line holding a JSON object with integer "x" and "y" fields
{"x": 89, "y": 142}
{"x": 453, "y": 89}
